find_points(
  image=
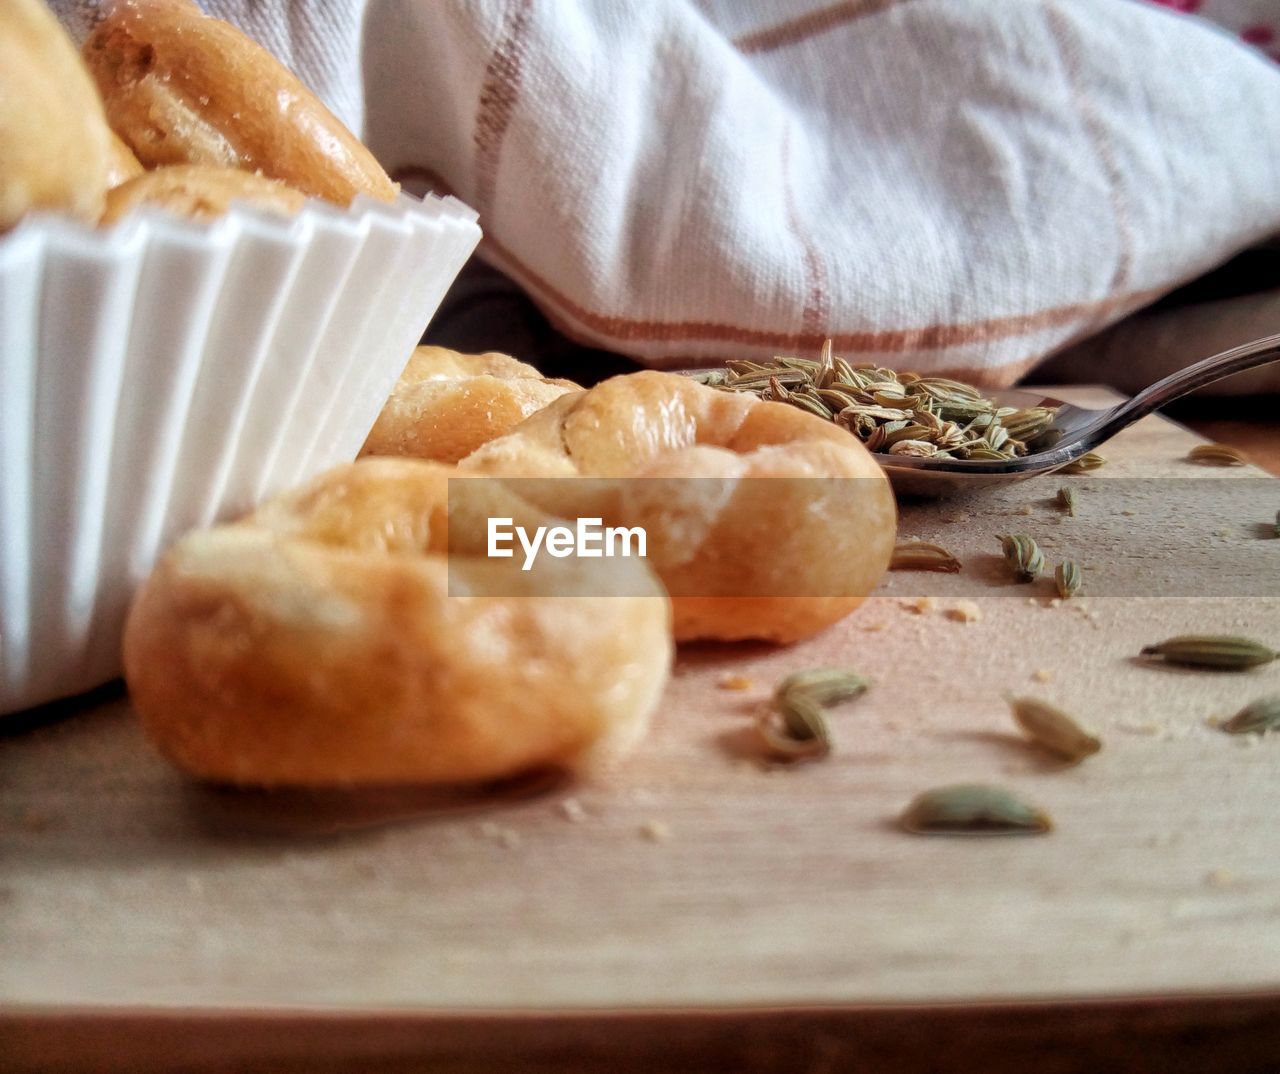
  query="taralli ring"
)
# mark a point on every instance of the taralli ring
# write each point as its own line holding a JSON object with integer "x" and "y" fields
{"x": 55, "y": 146}
{"x": 763, "y": 521}
{"x": 200, "y": 192}
{"x": 181, "y": 87}
{"x": 329, "y": 640}
{"x": 447, "y": 404}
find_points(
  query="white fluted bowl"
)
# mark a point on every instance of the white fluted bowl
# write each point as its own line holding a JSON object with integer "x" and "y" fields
{"x": 163, "y": 375}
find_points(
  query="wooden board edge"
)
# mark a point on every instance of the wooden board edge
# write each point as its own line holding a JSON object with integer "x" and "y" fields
{"x": 1169, "y": 1035}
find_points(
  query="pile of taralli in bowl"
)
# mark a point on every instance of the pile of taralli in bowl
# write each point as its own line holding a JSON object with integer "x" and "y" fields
{"x": 208, "y": 287}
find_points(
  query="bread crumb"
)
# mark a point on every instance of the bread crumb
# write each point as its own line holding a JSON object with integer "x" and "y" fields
{"x": 571, "y": 809}
{"x": 1128, "y": 513}
{"x": 1133, "y": 728}
{"x": 873, "y": 628}
{"x": 1025, "y": 509}
{"x": 1042, "y": 675}
{"x": 920, "y": 605}
{"x": 508, "y": 837}
{"x": 730, "y": 681}
{"x": 964, "y": 611}
{"x": 655, "y": 831}
{"x": 1220, "y": 878}
{"x": 956, "y": 516}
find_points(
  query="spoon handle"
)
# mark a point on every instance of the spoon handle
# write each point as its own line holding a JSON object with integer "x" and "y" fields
{"x": 1176, "y": 385}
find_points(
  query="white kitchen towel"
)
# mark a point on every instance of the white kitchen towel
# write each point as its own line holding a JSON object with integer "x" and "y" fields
{"x": 960, "y": 186}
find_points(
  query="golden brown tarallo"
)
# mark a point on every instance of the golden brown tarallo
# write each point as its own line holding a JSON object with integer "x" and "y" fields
{"x": 447, "y": 404}
{"x": 54, "y": 141}
{"x": 328, "y": 640}
{"x": 200, "y": 192}
{"x": 762, "y": 520}
{"x": 181, "y": 87}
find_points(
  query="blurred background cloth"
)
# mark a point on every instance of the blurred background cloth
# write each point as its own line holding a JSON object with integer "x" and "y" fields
{"x": 952, "y": 186}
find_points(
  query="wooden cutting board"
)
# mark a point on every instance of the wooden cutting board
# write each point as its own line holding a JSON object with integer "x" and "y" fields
{"x": 760, "y": 916}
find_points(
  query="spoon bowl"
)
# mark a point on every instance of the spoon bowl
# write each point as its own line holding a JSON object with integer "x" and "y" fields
{"x": 1074, "y": 432}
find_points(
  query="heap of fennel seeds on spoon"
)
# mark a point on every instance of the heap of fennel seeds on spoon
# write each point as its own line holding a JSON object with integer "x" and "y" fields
{"x": 890, "y": 412}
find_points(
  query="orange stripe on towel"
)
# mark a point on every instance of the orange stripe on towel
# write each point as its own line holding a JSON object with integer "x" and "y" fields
{"x": 817, "y": 306}
{"x": 809, "y": 25}
{"x": 499, "y": 93}
{"x": 888, "y": 340}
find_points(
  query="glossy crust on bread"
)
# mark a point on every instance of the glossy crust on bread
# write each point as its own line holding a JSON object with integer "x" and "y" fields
{"x": 327, "y": 640}
{"x": 181, "y": 87}
{"x": 743, "y": 555}
{"x": 200, "y": 192}
{"x": 54, "y": 140}
{"x": 447, "y": 404}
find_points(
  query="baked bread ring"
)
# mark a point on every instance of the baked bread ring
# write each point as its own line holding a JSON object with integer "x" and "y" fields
{"x": 181, "y": 87}
{"x": 200, "y": 192}
{"x": 447, "y": 404}
{"x": 54, "y": 140}
{"x": 772, "y": 559}
{"x": 328, "y": 640}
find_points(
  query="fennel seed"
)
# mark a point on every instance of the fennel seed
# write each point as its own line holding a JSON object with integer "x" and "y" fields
{"x": 1087, "y": 462}
{"x": 1222, "y": 652}
{"x": 923, "y": 556}
{"x": 1257, "y": 718}
{"x": 1216, "y": 455}
{"x": 1055, "y": 730}
{"x": 823, "y": 686}
{"x": 1023, "y": 555}
{"x": 973, "y": 809}
{"x": 1067, "y": 577}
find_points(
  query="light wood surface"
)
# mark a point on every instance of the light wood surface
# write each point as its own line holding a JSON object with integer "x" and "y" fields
{"x": 701, "y": 885}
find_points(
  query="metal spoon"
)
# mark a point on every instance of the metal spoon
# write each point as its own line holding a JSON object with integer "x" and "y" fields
{"x": 1075, "y": 430}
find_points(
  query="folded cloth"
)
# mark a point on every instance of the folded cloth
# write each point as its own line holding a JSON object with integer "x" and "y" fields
{"x": 954, "y": 186}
